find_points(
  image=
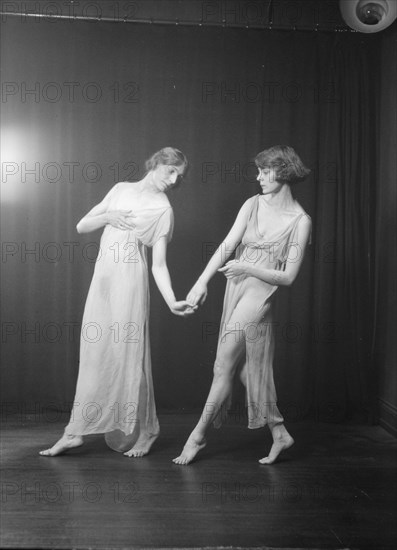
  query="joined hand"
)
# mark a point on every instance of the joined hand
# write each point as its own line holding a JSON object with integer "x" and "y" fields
{"x": 182, "y": 308}
{"x": 197, "y": 294}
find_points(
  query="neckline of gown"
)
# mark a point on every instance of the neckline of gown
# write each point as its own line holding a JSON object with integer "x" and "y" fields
{"x": 128, "y": 186}
{"x": 255, "y": 213}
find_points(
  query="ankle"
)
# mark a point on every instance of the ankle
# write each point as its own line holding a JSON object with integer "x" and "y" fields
{"x": 278, "y": 431}
{"x": 196, "y": 437}
{"x": 72, "y": 436}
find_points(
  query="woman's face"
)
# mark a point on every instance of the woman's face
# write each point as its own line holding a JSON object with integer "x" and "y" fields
{"x": 165, "y": 176}
{"x": 267, "y": 180}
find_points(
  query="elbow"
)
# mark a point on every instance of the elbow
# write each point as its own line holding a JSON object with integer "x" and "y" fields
{"x": 288, "y": 280}
{"x": 80, "y": 227}
{"x": 155, "y": 268}
{"x": 282, "y": 279}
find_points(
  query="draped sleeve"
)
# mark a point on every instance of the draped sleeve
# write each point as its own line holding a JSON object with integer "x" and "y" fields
{"x": 110, "y": 195}
{"x": 154, "y": 224}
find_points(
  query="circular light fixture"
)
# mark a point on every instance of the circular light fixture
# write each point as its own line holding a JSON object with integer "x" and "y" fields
{"x": 368, "y": 15}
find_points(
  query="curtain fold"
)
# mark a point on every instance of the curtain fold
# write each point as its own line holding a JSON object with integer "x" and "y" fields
{"x": 346, "y": 207}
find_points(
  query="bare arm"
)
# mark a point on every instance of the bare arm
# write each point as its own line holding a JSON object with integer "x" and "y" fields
{"x": 99, "y": 216}
{"x": 273, "y": 276}
{"x": 199, "y": 291}
{"x": 163, "y": 280}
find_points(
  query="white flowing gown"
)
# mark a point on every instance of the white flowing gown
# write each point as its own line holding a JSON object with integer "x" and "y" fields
{"x": 114, "y": 388}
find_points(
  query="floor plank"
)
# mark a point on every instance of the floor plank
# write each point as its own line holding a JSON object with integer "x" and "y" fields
{"x": 335, "y": 489}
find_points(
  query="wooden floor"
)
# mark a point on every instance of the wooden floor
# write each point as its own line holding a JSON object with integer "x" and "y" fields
{"x": 336, "y": 488}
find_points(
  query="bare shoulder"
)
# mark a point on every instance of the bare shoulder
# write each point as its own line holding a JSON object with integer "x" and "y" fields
{"x": 251, "y": 200}
{"x": 248, "y": 204}
{"x": 245, "y": 210}
{"x": 305, "y": 219}
{"x": 304, "y": 228}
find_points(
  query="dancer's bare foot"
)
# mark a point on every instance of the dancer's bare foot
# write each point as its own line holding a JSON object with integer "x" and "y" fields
{"x": 64, "y": 444}
{"x": 142, "y": 446}
{"x": 280, "y": 443}
{"x": 191, "y": 448}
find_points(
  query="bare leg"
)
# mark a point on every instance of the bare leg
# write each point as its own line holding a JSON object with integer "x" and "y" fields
{"x": 221, "y": 385}
{"x": 224, "y": 369}
{"x": 281, "y": 441}
{"x": 63, "y": 445}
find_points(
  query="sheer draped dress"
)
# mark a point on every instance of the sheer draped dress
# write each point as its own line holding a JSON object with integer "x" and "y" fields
{"x": 114, "y": 385}
{"x": 247, "y": 322}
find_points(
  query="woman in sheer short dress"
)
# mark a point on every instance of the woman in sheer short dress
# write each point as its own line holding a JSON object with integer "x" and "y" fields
{"x": 271, "y": 232}
{"x": 114, "y": 393}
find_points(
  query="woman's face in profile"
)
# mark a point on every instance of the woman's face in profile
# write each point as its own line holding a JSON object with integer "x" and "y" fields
{"x": 267, "y": 180}
{"x": 165, "y": 176}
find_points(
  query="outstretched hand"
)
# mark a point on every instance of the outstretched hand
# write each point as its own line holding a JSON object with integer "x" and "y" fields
{"x": 197, "y": 294}
{"x": 182, "y": 308}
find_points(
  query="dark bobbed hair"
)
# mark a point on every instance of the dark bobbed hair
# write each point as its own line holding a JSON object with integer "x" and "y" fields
{"x": 168, "y": 156}
{"x": 285, "y": 162}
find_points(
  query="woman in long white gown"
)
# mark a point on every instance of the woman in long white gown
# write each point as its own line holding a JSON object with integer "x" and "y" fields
{"x": 114, "y": 393}
{"x": 271, "y": 232}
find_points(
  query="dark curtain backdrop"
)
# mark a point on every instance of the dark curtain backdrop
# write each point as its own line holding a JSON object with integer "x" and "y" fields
{"x": 386, "y": 237}
{"x": 84, "y": 104}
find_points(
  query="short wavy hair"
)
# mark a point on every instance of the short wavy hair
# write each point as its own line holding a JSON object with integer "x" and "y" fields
{"x": 168, "y": 156}
{"x": 285, "y": 162}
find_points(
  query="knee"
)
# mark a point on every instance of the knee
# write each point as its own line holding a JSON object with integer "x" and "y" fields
{"x": 243, "y": 375}
{"x": 222, "y": 369}
{"x": 218, "y": 369}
